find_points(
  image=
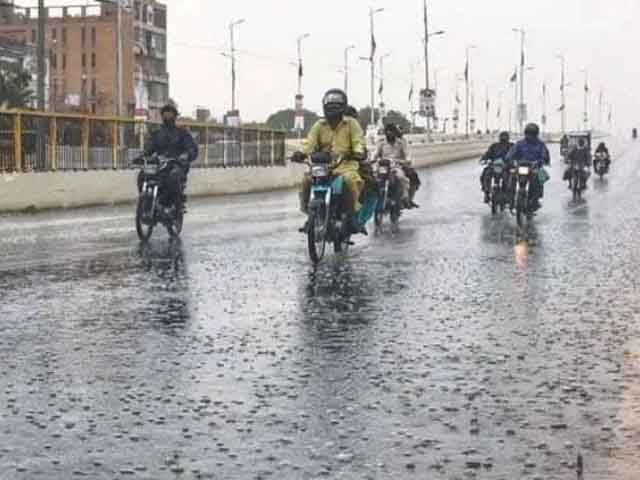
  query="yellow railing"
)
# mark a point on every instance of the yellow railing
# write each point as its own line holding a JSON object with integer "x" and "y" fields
{"x": 37, "y": 142}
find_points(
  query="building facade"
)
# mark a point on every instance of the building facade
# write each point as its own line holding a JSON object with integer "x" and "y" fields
{"x": 81, "y": 42}
{"x": 16, "y": 54}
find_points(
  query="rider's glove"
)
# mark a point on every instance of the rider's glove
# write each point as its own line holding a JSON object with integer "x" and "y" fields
{"x": 298, "y": 157}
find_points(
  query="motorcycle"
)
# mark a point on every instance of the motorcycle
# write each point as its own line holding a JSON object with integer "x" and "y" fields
{"x": 523, "y": 175}
{"x": 578, "y": 181}
{"x": 328, "y": 222}
{"x": 601, "y": 167}
{"x": 154, "y": 204}
{"x": 389, "y": 202}
{"x": 498, "y": 185}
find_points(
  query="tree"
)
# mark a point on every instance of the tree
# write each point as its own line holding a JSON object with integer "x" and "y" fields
{"x": 14, "y": 86}
{"x": 392, "y": 116}
{"x": 285, "y": 120}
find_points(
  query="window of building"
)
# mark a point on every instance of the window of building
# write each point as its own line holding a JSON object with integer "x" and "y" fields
{"x": 64, "y": 61}
{"x": 93, "y": 108}
{"x": 54, "y": 34}
{"x": 84, "y": 60}
{"x": 54, "y": 61}
{"x": 54, "y": 88}
{"x": 93, "y": 37}
{"x": 93, "y": 60}
{"x": 33, "y": 36}
{"x": 84, "y": 85}
{"x": 94, "y": 88}
{"x": 83, "y": 35}
{"x": 64, "y": 36}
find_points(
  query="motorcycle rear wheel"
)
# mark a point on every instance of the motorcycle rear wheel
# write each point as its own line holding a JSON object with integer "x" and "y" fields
{"x": 144, "y": 230}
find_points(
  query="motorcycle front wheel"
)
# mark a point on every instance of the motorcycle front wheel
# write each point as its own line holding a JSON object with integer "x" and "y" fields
{"x": 144, "y": 230}
{"x": 317, "y": 235}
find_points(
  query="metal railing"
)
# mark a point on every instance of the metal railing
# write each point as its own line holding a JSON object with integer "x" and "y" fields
{"x": 44, "y": 142}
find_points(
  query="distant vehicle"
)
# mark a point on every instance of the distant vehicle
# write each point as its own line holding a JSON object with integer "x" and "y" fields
{"x": 500, "y": 191}
{"x": 574, "y": 138}
{"x": 634, "y": 133}
{"x": 600, "y": 164}
{"x": 389, "y": 202}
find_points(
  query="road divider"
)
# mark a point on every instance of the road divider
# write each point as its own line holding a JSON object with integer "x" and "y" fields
{"x": 74, "y": 189}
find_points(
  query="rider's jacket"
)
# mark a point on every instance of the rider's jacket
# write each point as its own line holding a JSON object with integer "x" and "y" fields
{"x": 580, "y": 157}
{"x": 346, "y": 139}
{"x": 396, "y": 152}
{"x": 534, "y": 151}
{"x": 172, "y": 142}
{"x": 498, "y": 150}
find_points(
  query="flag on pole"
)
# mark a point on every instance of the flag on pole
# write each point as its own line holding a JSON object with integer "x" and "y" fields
{"x": 562, "y": 107}
{"x": 586, "y": 87}
{"x": 300, "y": 71}
{"x": 522, "y": 59}
{"x": 610, "y": 114}
{"x": 411, "y": 93}
{"x": 499, "y": 112}
{"x": 381, "y": 89}
{"x": 488, "y": 105}
{"x": 374, "y": 46}
{"x": 544, "y": 89}
{"x": 466, "y": 71}
{"x": 458, "y": 100}
{"x": 514, "y": 77}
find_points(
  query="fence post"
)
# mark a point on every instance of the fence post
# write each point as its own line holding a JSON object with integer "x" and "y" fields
{"x": 53, "y": 134}
{"x": 114, "y": 133}
{"x": 273, "y": 148}
{"x": 85, "y": 143}
{"x": 17, "y": 141}
{"x": 206, "y": 146}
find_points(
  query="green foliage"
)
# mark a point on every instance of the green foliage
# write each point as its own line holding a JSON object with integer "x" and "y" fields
{"x": 285, "y": 120}
{"x": 14, "y": 86}
{"x": 392, "y": 116}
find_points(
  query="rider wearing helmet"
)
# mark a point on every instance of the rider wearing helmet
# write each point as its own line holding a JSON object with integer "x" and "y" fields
{"x": 532, "y": 149}
{"x": 176, "y": 143}
{"x": 394, "y": 148}
{"x": 580, "y": 157}
{"x": 602, "y": 148}
{"x": 496, "y": 151}
{"x": 342, "y": 137}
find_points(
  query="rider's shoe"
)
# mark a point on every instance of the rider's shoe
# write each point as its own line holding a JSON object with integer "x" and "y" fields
{"x": 487, "y": 198}
{"x": 414, "y": 204}
{"x": 304, "y": 228}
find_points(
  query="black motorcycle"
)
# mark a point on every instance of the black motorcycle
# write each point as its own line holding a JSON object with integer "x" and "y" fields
{"x": 578, "y": 181}
{"x": 498, "y": 185}
{"x": 155, "y": 205}
{"x": 328, "y": 221}
{"x": 600, "y": 164}
{"x": 389, "y": 201}
{"x": 524, "y": 201}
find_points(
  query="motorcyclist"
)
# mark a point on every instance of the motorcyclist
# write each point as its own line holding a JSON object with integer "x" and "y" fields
{"x": 602, "y": 149}
{"x": 498, "y": 150}
{"x": 393, "y": 147}
{"x": 411, "y": 174}
{"x": 533, "y": 150}
{"x": 564, "y": 145}
{"x": 340, "y": 136}
{"x": 579, "y": 156}
{"x": 176, "y": 143}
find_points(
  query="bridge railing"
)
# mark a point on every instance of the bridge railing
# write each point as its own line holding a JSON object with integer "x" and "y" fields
{"x": 43, "y": 142}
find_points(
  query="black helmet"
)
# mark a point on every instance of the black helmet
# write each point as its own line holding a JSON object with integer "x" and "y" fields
{"x": 334, "y": 104}
{"x": 169, "y": 107}
{"x": 532, "y": 131}
{"x": 505, "y": 137}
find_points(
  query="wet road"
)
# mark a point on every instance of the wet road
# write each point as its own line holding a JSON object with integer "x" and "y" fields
{"x": 455, "y": 349}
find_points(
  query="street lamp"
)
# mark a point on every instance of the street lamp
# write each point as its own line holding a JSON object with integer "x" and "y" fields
{"x": 428, "y": 35}
{"x": 300, "y": 39}
{"x": 586, "y": 98}
{"x": 232, "y": 56}
{"x": 346, "y": 68}
{"x": 372, "y": 13}
{"x": 466, "y": 80}
{"x": 521, "y": 109}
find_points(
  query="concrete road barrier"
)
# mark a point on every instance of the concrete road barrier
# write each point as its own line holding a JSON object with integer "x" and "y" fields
{"x": 49, "y": 190}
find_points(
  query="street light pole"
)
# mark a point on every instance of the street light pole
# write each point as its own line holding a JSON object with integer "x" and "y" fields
{"x": 521, "y": 107}
{"x": 586, "y": 98}
{"x": 563, "y": 86}
{"x": 300, "y": 39}
{"x": 381, "y": 92}
{"x": 372, "y": 13}
{"x": 427, "y": 35}
{"x": 346, "y": 68}
{"x": 466, "y": 80}
{"x": 42, "y": 13}
{"x": 119, "y": 54}
{"x": 232, "y": 26}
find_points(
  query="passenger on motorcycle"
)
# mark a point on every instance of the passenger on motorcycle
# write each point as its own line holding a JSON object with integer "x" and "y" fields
{"x": 580, "y": 156}
{"x": 395, "y": 149}
{"x": 173, "y": 142}
{"x": 498, "y": 150}
{"x": 340, "y": 136}
{"x": 532, "y": 149}
{"x": 411, "y": 174}
{"x": 602, "y": 148}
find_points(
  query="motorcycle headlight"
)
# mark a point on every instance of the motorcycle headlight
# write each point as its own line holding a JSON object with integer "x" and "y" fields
{"x": 319, "y": 171}
{"x": 383, "y": 170}
{"x": 524, "y": 171}
{"x": 151, "y": 169}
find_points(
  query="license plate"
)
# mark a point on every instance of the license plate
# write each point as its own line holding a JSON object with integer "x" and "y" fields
{"x": 497, "y": 169}
{"x": 319, "y": 171}
{"x": 524, "y": 171}
{"x": 151, "y": 170}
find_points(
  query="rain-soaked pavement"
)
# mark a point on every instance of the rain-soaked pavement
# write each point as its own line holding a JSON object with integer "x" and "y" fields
{"x": 455, "y": 349}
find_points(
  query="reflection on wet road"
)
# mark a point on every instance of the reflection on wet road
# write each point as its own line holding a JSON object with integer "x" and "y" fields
{"x": 457, "y": 348}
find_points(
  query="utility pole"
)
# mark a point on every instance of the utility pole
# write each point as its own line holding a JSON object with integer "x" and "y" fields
{"x": 40, "y": 52}
{"x": 586, "y": 99}
{"x": 232, "y": 57}
{"x": 600, "y": 107}
{"x": 346, "y": 68}
{"x": 300, "y": 39}
{"x": 544, "y": 106}
{"x": 381, "y": 89}
{"x": 467, "y": 93}
{"x": 427, "y": 35}
{"x": 119, "y": 56}
{"x": 486, "y": 113}
{"x": 515, "y": 106}
{"x": 521, "y": 107}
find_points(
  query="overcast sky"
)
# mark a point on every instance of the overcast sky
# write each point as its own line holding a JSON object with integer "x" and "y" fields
{"x": 601, "y": 35}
